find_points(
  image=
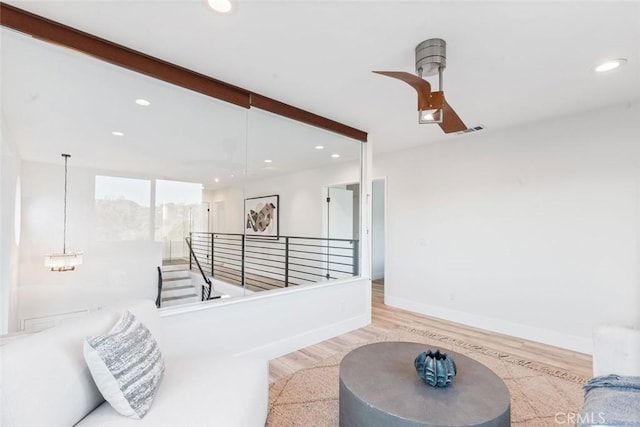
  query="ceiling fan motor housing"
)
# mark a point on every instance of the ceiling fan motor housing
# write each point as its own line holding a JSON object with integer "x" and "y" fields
{"x": 431, "y": 56}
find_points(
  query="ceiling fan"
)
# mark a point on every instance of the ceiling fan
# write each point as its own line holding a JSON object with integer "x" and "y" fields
{"x": 431, "y": 59}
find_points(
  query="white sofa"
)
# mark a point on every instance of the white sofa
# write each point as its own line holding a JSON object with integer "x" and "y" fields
{"x": 616, "y": 354}
{"x": 46, "y": 382}
{"x": 616, "y": 350}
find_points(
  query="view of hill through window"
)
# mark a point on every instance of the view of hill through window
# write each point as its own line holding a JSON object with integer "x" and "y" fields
{"x": 179, "y": 210}
{"x": 123, "y": 208}
{"x": 124, "y": 211}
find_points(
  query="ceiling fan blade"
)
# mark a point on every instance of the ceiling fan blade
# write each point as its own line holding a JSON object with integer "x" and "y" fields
{"x": 451, "y": 122}
{"x": 419, "y": 84}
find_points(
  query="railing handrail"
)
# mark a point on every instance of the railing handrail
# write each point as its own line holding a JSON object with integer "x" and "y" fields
{"x": 206, "y": 279}
{"x": 279, "y": 240}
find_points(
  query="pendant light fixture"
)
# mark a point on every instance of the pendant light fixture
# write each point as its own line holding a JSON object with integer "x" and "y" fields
{"x": 66, "y": 261}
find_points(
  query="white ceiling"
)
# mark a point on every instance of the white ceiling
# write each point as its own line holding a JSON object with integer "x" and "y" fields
{"x": 508, "y": 63}
{"x": 55, "y": 100}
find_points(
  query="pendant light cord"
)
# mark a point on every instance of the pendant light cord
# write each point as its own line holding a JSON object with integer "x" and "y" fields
{"x": 64, "y": 229}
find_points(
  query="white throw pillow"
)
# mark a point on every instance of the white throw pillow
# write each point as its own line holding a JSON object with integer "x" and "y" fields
{"x": 126, "y": 365}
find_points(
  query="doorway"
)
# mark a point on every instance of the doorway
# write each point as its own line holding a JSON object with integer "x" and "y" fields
{"x": 342, "y": 227}
{"x": 378, "y": 211}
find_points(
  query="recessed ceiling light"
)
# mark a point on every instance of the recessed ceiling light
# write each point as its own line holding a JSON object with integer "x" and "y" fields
{"x": 335, "y": 155}
{"x": 217, "y": 180}
{"x": 610, "y": 65}
{"x": 222, "y": 6}
{"x": 268, "y": 161}
{"x": 319, "y": 147}
{"x": 116, "y": 133}
{"x": 143, "y": 102}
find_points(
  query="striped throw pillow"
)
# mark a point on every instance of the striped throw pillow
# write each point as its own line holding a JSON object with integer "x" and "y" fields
{"x": 126, "y": 365}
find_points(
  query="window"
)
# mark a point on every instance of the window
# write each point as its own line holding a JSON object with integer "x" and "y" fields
{"x": 179, "y": 210}
{"x": 123, "y": 208}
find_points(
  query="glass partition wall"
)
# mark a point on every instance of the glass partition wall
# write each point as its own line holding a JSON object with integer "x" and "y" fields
{"x": 294, "y": 217}
{"x": 250, "y": 201}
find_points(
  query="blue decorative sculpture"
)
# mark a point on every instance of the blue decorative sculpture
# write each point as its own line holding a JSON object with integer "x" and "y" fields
{"x": 436, "y": 369}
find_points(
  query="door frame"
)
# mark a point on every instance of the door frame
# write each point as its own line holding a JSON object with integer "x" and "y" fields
{"x": 385, "y": 223}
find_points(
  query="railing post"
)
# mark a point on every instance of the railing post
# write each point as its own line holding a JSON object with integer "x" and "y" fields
{"x": 356, "y": 257}
{"x": 159, "y": 297}
{"x": 286, "y": 262}
{"x": 212, "y": 269}
{"x": 242, "y": 262}
{"x": 328, "y": 275}
{"x": 190, "y": 254}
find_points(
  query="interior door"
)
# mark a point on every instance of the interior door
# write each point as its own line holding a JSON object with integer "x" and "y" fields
{"x": 339, "y": 226}
{"x": 196, "y": 219}
{"x": 199, "y": 218}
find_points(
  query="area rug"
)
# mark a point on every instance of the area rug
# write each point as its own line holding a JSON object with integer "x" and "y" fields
{"x": 541, "y": 395}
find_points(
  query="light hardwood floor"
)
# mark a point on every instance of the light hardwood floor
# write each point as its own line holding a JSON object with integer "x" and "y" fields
{"x": 385, "y": 318}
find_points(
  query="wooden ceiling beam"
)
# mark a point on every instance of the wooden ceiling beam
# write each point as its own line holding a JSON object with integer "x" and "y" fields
{"x": 289, "y": 111}
{"x": 54, "y": 32}
{"x": 60, "y": 34}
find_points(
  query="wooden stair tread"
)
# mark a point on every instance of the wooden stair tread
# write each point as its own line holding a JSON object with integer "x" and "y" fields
{"x": 174, "y": 288}
{"x": 166, "y": 299}
{"x": 175, "y": 279}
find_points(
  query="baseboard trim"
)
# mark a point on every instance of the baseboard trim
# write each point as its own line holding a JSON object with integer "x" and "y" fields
{"x": 532, "y": 333}
{"x": 376, "y": 275}
{"x": 296, "y": 342}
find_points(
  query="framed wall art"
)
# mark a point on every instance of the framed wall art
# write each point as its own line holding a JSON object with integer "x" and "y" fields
{"x": 262, "y": 216}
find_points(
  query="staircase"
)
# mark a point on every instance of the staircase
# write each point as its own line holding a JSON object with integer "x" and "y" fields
{"x": 177, "y": 286}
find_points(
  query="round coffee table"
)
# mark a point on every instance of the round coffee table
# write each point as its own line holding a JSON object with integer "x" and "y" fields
{"x": 379, "y": 387}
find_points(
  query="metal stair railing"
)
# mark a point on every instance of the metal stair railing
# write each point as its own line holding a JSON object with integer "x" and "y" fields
{"x": 159, "y": 297}
{"x": 206, "y": 290}
{"x": 263, "y": 263}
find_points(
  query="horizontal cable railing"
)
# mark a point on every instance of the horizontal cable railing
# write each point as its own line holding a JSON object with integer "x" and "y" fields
{"x": 266, "y": 263}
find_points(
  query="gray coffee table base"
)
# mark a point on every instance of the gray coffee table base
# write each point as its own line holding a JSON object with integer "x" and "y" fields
{"x": 379, "y": 387}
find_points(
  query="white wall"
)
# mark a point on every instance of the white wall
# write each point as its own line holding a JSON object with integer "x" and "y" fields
{"x": 9, "y": 174}
{"x": 112, "y": 271}
{"x": 227, "y": 209}
{"x": 302, "y": 200}
{"x": 269, "y": 324}
{"x": 531, "y": 231}
{"x": 377, "y": 229}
